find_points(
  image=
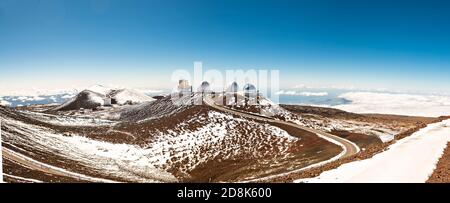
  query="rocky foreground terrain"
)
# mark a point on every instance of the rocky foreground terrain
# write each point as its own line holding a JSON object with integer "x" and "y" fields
{"x": 159, "y": 141}
{"x": 442, "y": 172}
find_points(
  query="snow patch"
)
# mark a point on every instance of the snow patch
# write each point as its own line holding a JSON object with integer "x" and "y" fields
{"x": 412, "y": 159}
{"x": 125, "y": 95}
{"x": 122, "y": 160}
{"x": 150, "y": 91}
{"x": 103, "y": 90}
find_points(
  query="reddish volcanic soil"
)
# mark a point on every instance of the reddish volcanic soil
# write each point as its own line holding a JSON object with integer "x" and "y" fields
{"x": 312, "y": 149}
{"x": 362, "y": 140}
{"x": 442, "y": 172}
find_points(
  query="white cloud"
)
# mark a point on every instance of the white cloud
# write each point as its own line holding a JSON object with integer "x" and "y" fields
{"x": 316, "y": 86}
{"x": 32, "y": 98}
{"x": 69, "y": 90}
{"x": 306, "y": 94}
{"x": 67, "y": 96}
{"x": 35, "y": 92}
{"x": 400, "y": 104}
{"x": 316, "y": 94}
{"x": 300, "y": 86}
{"x": 4, "y": 103}
{"x": 150, "y": 91}
{"x": 283, "y": 92}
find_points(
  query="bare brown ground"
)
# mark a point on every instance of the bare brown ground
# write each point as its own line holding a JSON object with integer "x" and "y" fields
{"x": 53, "y": 159}
{"x": 321, "y": 111}
{"x": 362, "y": 140}
{"x": 442, "y": 172}
{"x": 311, "y": 149}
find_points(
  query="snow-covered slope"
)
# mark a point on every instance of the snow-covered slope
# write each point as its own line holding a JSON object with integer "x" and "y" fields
{"x": 209, "y": 137}
{"x": 164, "y": 140}
{"x": 80, "y": 154}
{"x": 411, "y": 159}
{"x": 86, "y": 99}
{"x": 183, "y": 145}
{"x": 95, "y": 96}
{"x": 100, "y": 89}
{"x": 124, "y": 95}
{"x": 164, "y": 107}
{"x": 191, "y": 139}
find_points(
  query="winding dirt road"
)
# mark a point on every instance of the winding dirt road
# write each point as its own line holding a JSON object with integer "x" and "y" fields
{"x": 349, "y": 148}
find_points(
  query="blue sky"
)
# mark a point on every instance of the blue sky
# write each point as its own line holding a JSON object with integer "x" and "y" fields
{"x": 394, "y": 45}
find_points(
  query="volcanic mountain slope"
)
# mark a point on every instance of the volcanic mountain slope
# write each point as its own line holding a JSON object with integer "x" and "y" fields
{"x": 101, "y": 89}
{"x": 86, "y": 99}
{"x": 122, "y": 96}
{"x": 63, "y": 148}
{"x": 164, "y": 107}
{"x": 198, "y": 143}
{"x": 95, "y": 96}
{"x": 161, "y": 141}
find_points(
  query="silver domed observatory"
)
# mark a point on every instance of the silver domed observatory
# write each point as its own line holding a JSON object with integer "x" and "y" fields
{"x": 234, "y": 87}
{"x": 204, "y": 87}
{"x": 250, "y": 93}
{"x": 231, "y": 92}
{"x": 249, "y": 89}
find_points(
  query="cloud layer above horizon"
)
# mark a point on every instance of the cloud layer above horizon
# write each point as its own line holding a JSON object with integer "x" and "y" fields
{"x": 306, "y": 94}
{"x": 398, "y": 104}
